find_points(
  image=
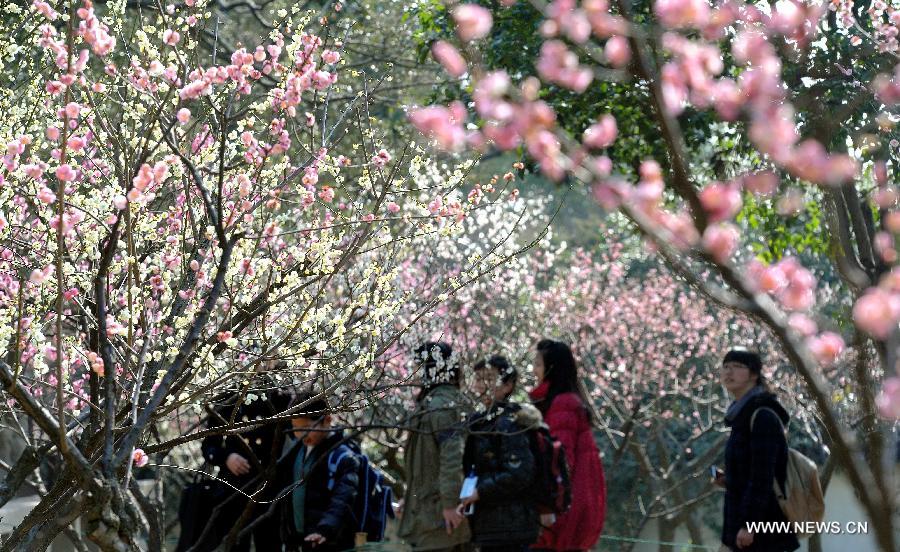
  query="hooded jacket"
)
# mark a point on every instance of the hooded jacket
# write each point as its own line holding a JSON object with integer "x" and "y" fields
{"x": 753, "y": 458}
{"x": 498, "y": 451}
{"x": 580, "y": 527}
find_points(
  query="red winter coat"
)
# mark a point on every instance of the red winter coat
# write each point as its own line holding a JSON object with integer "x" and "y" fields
{"x": 580, "y": 527}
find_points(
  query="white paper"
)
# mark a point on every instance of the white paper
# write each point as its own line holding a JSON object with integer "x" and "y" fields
{"x": 468, "y": 487}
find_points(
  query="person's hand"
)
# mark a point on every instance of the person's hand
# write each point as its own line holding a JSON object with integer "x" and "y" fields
{"x": 744, "y": 538}
{"x": 471, "y": 498}
{"x": 237, "y": 464}
{"x": 452, "y": 519}
{"x": 315, "y": 539}
{"x": 719, "y": 480}
{"x": 547, "y": 520}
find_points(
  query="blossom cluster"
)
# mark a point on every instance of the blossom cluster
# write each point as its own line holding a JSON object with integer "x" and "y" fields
{"x": 749, "y": 85}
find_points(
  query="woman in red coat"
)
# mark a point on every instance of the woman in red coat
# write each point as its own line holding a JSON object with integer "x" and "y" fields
{"x": 561, "y": 399}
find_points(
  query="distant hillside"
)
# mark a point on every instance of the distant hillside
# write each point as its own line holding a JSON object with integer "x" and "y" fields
{"x": 580, "y": 217}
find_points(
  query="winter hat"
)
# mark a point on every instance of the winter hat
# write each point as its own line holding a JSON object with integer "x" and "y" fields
{"x": 438, "y": 363}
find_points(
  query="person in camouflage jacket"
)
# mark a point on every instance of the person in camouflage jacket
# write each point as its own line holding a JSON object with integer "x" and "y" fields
{"x": 433, "y": 456}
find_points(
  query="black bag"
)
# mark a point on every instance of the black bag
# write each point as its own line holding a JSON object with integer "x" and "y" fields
{"x": 198, "y": 500}
{"x": 552, "y": 489}
{"x": 374, "y": 498}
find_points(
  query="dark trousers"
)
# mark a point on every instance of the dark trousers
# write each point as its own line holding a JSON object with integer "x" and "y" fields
{"x": 264, "y": 532}
{"x": 504, "y": 548}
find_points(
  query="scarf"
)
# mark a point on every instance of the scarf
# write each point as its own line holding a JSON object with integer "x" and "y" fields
{"x": 302, "y": 466}
{"x": 732, "y": 413}
{"x": 540, "y": 392}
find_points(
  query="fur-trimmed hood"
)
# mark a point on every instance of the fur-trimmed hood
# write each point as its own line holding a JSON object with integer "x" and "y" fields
{"x": 528, "y": 416}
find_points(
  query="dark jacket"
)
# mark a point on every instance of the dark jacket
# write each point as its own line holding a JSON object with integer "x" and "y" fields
{"x": 260, "y": 445}
{"x": 328, "y": 512}
{"x": 498, "y": 451}
{"x": 752, "y": 460}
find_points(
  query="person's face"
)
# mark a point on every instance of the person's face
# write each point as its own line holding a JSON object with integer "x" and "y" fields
{"x": 304, "y": 429}
{"x": 488, "y": 386}
{"x": 737, "y": 378}
{"x": 538, "y": 366}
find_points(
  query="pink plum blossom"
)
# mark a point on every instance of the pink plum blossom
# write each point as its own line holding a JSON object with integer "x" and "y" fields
{"x": 763, "y": 183}
{"x": 885, "y": 247}
{"x": 472, "y": 21}
{"x": 39, "y": 276}
{"x": 140, "y": 458}
{"x": 609, "y": 193}
{"x": 617, "y": 51}
{"x": 326, "y": 194}
{"x": 888, "y": 401}
{"x": 721, "y": 201}
{"x": 449, "y": 57}
{"x": 802, "y": 324}
{"x": 769, "y": 279}
{"x": 96, "y": 362}
{"x": 825, "y": 347}
{"x": 381, "y": 158}
{"x": 799, "y": 293}
{"x": 442, "y": 124}
{"x": 46, "y": 195}
{"x": 721, "y": 241}
{"x": 95, "y": 33}
{"x": 885, "y": 197}
{"x": 877, "y": 312}
{"x": 331, "y": 57}
{"x": 559, "y": 65}
{"x": 72, "y": 110}
{"x": 682, "y": 13}
{"x": 171, "y": 37}
{"x": 44, "y": 9}
{"x": 602, "y": 133}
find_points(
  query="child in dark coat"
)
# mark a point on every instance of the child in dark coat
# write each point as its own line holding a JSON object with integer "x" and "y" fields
{"x": 320, "y": 474}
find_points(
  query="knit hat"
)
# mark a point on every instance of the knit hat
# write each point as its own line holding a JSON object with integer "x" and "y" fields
{"x": 438, "y": 363}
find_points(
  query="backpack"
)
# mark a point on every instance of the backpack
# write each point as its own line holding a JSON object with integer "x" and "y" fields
{"x": 802, "y": 499}
{"x": 373, "y": 505}
{"x": 552, "y": 490}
